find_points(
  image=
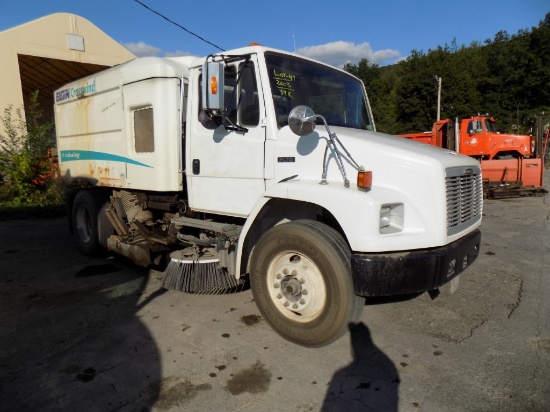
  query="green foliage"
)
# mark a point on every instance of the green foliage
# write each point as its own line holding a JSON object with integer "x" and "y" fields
{"x": 507, "y": 77}
{"x": 27, "y": 174}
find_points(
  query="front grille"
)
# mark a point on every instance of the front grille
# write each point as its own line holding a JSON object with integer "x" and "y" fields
{"x": 464, "y": 197}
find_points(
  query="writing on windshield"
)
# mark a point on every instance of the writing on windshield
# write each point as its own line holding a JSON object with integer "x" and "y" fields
{"x": 335, "y": 95}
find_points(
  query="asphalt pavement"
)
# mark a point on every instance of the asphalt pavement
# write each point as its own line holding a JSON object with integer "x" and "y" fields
{"x": 100, "y": 334}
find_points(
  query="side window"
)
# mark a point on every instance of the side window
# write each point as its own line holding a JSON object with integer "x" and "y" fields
{"x": 144, "y": 130}
{"x": 490, "y": 127}
{"x": 229, "y": 90}
{"x": 230, "y": 97}
{"x": 249, "y": 106}
{"x": 241, "y": 103}
{"x": 474, "y": 126}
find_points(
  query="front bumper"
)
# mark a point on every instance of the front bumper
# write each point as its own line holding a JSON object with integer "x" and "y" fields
{"x": 411, "y": 272}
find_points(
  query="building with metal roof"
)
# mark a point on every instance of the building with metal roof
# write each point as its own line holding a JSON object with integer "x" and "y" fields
{"x": 49, "y": 52}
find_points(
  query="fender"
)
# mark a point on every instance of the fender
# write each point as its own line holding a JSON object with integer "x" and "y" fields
{"x": 355, "y": 208}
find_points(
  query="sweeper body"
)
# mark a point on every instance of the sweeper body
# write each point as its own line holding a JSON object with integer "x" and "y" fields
{"x": 263, "y": 166}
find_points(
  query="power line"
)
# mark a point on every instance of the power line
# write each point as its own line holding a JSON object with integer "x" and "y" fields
{"x": 178, "y": 25}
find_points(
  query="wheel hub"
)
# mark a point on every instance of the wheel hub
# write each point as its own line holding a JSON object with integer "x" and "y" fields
{"x": 297, "y": 286}
{"x": 291, "y": 288}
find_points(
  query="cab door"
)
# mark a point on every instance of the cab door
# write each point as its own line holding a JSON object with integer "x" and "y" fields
{"x": 225, "y": 166}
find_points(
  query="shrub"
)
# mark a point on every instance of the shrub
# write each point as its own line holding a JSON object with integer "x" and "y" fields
{"x": 28, "y": 172}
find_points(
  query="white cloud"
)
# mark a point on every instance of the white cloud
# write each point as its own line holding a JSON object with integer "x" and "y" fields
{"x": 141, "y": 49}
{"x": 336, "y": 53}
{"x": 177, "y": 53}
{"x": 339, "y": 53}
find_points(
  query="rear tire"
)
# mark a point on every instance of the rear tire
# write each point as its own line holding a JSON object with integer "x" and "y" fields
{"x": 91, "y": 227}
{"x": 301, "y": 281}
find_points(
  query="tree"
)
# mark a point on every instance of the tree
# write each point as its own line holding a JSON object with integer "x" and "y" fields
{"x": 380, "y": 85}
{"x": 507, "y": 77}
{"x": 416, "y": 97}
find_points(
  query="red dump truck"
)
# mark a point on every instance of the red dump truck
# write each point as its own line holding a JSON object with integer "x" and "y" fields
{"x": 511, "y": 164}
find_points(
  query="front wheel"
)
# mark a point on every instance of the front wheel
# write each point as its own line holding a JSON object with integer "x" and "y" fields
{"x": 301, "y": 281}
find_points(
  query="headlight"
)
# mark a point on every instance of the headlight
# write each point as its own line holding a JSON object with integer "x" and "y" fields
{"x": 392, "y": 218}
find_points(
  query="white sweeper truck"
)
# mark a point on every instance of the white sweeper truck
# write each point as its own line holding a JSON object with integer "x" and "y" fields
{"x": 263, "y": 168}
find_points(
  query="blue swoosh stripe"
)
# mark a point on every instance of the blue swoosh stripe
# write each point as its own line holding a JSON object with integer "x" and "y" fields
{"x": 72, "y": 155}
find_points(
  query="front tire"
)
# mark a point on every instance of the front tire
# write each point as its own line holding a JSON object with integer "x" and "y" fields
{"x": 301, "y": 281}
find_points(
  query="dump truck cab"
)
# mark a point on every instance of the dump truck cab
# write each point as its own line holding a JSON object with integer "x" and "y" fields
{"x": 481, "y": 138}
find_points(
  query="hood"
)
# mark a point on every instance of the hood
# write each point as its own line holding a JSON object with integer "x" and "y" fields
{"x": 388, "y": 157}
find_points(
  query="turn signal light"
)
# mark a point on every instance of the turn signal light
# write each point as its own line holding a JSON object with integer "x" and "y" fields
{"x": 364, "y": 179}
{"x": 213, "y": 85}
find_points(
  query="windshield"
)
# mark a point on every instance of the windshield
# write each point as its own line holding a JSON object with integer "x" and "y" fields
{"x": 490, "y": 126}
{"x": 338, "y": 97}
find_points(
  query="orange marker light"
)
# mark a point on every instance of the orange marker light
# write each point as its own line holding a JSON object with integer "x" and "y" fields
{"x": 213, "y": 85}
{"x": 364, "y": 179}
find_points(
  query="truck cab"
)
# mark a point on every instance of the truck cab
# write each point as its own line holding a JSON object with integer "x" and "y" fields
{"x": 480, "y": 138}
{"x": 510, "y": 165}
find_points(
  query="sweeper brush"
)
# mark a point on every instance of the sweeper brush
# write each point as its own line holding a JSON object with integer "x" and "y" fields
{"x": 193, "y": 272}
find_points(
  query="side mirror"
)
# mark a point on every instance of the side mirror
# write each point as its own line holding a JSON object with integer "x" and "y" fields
{"x": 209, "y": 122}
{"x": 212, "y": 86}
{"x": 301, "y": 120}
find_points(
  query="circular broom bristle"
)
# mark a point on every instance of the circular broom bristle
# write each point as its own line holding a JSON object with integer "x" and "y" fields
{"x": 198, "y": 274}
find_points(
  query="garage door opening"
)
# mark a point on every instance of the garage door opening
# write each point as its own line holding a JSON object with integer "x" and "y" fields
{"x": 46, "y": 75}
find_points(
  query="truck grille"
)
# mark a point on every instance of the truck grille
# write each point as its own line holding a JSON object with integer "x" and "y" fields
{"x": 464, "y": 197}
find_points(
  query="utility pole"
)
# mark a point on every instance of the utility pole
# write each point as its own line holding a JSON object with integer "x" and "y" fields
{"x": 438, "y": 80}
{"x": 541, "y": 118}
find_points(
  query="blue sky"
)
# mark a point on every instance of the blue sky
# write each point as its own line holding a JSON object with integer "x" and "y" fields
{"x": 336, "y": 32}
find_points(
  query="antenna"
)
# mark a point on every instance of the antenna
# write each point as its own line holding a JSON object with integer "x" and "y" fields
{"x": 293, "y": 39}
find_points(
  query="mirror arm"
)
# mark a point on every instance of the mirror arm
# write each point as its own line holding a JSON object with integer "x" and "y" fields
{"x": 357, "y": 166}
{"x": 332, "y": 139}
{"x": 324, "y": 175}
{"x": 302, "y": 122}
{"x": 233, "y": 126}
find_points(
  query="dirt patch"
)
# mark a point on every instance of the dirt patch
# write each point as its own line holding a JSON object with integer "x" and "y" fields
{"x": 250, "y": 320}
{"x": 255, "y": 379}
{"x": 173, "y": 391}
